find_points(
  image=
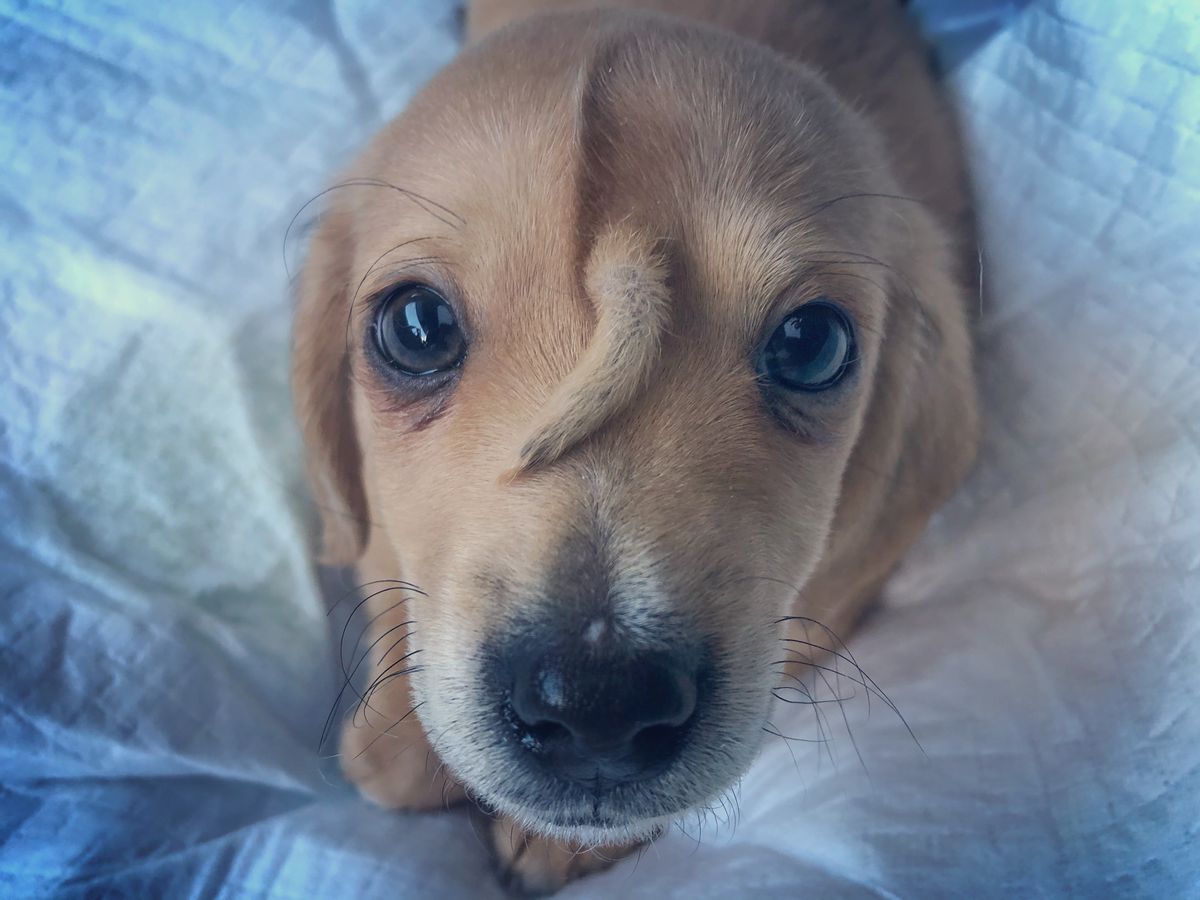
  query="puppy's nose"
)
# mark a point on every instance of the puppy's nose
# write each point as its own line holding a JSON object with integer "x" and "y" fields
{"x": 592, "y": 717}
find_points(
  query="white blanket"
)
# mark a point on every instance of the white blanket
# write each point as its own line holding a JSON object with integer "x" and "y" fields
{"x": 164, "y": 671}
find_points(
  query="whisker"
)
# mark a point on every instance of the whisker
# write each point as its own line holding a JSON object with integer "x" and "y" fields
{"x": 386, "y": 675}
{"x": 359, "y": 587}
{"x": 422, "y": 202}
{"x": 382, "y": 680}
{"x": 808, "y": 701}
{"x": 820, "y": 207}
{"x": 805, "y": 660}
{"x": 350, "y": 675}
{"x": 348, "y": 681}
{"x": 350, "y": 307}
{"x": 371, "y": 743}
{"x": 350, "y": 618}
{"x": 821, "y": 670}
{"x": 771, "y": 729}
{"x": 848, "y": 657}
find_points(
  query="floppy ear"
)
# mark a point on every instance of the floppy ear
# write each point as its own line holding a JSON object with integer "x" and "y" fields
{"x": 321, "y": 391}
{"x": 918, "y": 439}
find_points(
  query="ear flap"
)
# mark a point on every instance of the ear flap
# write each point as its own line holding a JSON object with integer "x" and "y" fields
{"x": 321, "y": 391}
{"x": 918, "y": 439}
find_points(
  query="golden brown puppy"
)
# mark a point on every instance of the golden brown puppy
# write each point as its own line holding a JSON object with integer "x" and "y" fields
{"x": 638, "y": 331}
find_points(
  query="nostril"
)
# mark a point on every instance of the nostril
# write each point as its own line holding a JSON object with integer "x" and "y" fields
{"x": 534, "y": 733}
{"x": 658, "y": 743}
{"x": 543, "y": 735}
{"x": 677, "y": 700}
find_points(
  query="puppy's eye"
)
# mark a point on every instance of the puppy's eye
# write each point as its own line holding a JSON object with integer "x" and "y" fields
{"x": 811, "y": 350}
{"x": 416, "y": 331}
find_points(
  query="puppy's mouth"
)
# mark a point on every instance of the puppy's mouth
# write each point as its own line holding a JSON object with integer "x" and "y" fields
{"x": 604, "y": 811}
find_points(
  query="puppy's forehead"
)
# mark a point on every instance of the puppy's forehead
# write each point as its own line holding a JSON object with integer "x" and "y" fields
{"x": 541, "y": 140}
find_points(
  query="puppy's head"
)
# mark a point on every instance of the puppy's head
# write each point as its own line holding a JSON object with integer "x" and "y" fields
{"x": 614, "y": 341}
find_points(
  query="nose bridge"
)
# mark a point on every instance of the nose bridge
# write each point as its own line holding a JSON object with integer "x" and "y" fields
{"x": 691, "y": 429}
{"x": 651, "y": 512}
{"x": 607, "y": 583}
{"x": 676, "y": 481}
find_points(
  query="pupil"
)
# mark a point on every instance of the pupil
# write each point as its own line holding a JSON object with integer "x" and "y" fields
{"x": 807, "y": 340}
{"x": 422, "y": 323}
{"x": 809, "y": 349}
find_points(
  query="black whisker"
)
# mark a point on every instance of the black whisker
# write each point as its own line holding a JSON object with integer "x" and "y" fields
{"x": 367, "y": 274}
{"x": 806, "y": 661}
{"x": 820, "y": 207}
{"x": 808, "y": 701}
{"x": 387, "y": 731}
{"x": 383, "y": 679}
{"x": 771, "y": 729}
{"x": 350, "y": 618}
{"x": 867, "y": 682}
{"x": 366, "y": 653}
{"x": 358, "y": 587}
{"x": 348, "y": 680}
{"x": 844, "y": 653}
{"x": 422, "y": 202}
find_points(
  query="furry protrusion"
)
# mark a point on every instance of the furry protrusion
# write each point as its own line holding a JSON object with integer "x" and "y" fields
{"x": 626, "y": 280}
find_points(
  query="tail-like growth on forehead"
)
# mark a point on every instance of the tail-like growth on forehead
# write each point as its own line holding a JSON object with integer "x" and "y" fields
{"x": 626, "y": 280}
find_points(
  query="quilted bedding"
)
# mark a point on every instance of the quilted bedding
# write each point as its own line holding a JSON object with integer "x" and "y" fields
{"x": 164, "y": 654}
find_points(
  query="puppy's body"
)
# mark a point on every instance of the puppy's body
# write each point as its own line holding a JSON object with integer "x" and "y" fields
{"x": 620, "y": 205}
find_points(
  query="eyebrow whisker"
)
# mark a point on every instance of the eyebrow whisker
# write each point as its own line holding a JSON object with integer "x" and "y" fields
{"x": 425, "y": 204}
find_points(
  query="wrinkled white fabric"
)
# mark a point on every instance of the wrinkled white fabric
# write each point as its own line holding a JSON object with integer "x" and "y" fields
{"x": 164, "y": 671}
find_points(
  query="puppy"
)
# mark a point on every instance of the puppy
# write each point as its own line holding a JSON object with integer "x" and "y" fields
{"x": 635, "y": 345}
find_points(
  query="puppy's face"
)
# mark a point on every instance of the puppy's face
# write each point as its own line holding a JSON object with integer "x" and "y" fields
{"x": 591, "y": 341}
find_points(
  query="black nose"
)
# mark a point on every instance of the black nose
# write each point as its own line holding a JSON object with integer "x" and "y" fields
{"x": 595, "y": 717}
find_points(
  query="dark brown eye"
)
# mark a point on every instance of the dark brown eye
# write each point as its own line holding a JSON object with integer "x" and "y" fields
{"x": 811, "y": 350}
{"x": 416, "y": 331}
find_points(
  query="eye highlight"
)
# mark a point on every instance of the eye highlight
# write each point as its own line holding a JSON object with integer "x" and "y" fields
{"x": 811, "y": 350}
{"x": 415, "y": 331}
